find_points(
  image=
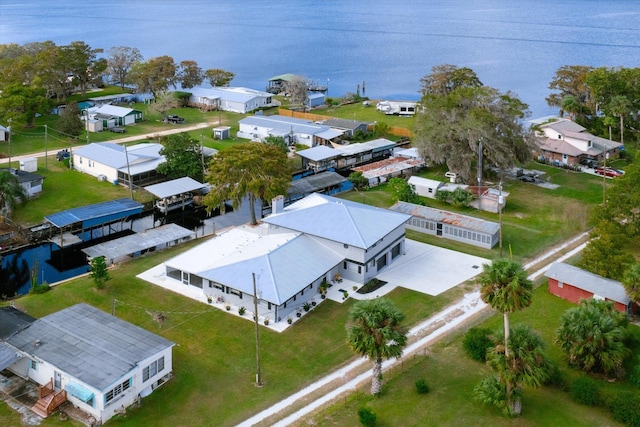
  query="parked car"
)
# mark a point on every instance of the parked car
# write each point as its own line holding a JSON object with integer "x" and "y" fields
{"x": 175, "y": 119}
{"x": 610, "y": 172}
{"x": 590, "y": 163}
{"x": 63, "y": 154}
{"x": 530, "y": 177}
{"x": 118, "y": 129}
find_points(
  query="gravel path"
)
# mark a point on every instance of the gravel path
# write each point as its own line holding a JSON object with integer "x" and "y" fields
{"x": 351, "y": 377}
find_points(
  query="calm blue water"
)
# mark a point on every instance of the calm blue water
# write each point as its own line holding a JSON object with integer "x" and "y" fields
{"x": 389, "y": 45}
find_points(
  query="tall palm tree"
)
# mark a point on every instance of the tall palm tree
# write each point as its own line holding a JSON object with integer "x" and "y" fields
{"x": 620, "y": 106}
{"x": 374, "y": 331}
{"x": 11, "y": 192}
{"x": 631, "y": 282}
{"x": 506, "y": 288}
{"x": 526, "y": 365}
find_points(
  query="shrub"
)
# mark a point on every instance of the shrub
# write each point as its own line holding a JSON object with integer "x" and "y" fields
{"x": 476, "y": 343}
{"x": 555, "y": 377}
{"x": 625, "y": 407}
{"x": 40, "y": 289}
{"x": 421, "y": 386}
{"x": 241, "y": 311}
{"x": 585, "y": 391}
{"x": 99, "y": 272}
{"x": 635, "y": 373}
{"x": 367, "y": 417}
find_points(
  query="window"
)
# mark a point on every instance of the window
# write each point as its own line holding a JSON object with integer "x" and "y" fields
{"x": 560, "y": 284}
{"x": 395, "y": 251}
{"x": 34, "y": 365}
{"x": 117, "y": 391}
{"x": 151, "y": 370}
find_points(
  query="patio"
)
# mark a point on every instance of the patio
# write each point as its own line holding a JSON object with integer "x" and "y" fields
{"x": 21, "y": 395}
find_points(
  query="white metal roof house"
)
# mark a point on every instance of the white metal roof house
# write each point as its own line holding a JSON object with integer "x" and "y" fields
{"x": 295, "y": 249}
{"x": 111, "y": 162}
{"x": 31, "y": 182}
{"x": 98, "y": 362}
{"x": 234, "y": 99}
{"x": 112, "y": 115}
{"x": 565, "y": 141}
{"x": 293, "y": 130}
{"x": 450, "y": 225}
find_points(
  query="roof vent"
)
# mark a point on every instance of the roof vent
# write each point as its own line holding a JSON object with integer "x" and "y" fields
{"x": 37, "y": 343}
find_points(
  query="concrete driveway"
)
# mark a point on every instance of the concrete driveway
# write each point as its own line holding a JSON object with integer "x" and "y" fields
{"x": 429, "y": 269}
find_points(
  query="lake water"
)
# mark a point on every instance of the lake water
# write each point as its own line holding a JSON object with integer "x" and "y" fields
{"x": 388, "y": 45}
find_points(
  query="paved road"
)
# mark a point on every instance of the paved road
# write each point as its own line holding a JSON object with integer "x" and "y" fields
{"x": 149, "y": 136}
{"x": 349, "y": 379}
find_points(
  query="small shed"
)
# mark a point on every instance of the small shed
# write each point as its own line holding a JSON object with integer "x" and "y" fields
{"x": 425, "y": 187}
{"x": 316, "y": 99}
{"x": 222, "y": 132}
{"x": 573, "y": 284}
{"x": 29, "y": 164}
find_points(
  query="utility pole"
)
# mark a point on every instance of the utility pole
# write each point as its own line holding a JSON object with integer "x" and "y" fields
{"x": 86, "y": 124}
{"x": 500, "y": 201}
{"x": 9, "y": 140}
{"x": 46, "y": 154}
{"x": 126, "y": 154}
{"x": 255, "y": 317}
{"x": 480, "y": 174}
{"x": 202, "y": 156}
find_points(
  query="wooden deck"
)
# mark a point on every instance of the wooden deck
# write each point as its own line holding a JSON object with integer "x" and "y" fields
{"x": 49, "y": 400}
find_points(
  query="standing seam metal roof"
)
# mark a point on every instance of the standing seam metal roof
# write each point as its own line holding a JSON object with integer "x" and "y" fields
{"x": 338, "y": 220}
{"x": 582, "y": 279}
{"x": 92, "y": 214}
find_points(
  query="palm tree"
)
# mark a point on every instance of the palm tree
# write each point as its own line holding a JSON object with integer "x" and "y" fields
{"x": 506, "y": 288}
{"x": 620, "y": 105}
{"x": 11, "y": 192}
{"x": 374, "y": 331}
{"x": 631, "y": 282}
{"x": 593, "y": 336}
{"x": 527, "y": 365}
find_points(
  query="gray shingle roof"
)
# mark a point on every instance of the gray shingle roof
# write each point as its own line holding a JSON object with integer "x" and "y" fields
{"x": 89, "y": 344}
{"x": 582, "y": 279}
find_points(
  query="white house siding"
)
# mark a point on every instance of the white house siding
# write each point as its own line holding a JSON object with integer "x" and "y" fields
{"x": 91, "y": 167}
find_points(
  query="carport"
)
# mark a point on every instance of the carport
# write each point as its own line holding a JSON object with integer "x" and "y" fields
{"x": 87, "y": 218}
{"x": 140, "y": 243}
{"x": 175, "y": 187}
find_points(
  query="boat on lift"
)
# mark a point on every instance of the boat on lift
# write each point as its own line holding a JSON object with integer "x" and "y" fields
{"x": 173, "y": 203}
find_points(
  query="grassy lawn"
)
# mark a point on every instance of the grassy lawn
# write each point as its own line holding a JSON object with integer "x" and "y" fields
{"x": 534, "y": 218}
{"x": 214, "y": 359}
{"x": 452, "y": 375}
{"x": 357, "y": 111}
{"x": 66, "y": 189}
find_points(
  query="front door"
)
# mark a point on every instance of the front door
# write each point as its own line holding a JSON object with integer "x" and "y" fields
{"x": 57, "y": 380}
{"x": 438, "y": 229}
